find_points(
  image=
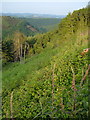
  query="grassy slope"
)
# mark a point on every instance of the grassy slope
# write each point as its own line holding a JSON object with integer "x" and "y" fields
{"x": 10, "y": 72}
{"x": 35, "y": 76}
{"x": 32, "y": 82}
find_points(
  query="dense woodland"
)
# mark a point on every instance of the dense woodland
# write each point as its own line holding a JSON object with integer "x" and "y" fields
{"x": 45, "y": 75}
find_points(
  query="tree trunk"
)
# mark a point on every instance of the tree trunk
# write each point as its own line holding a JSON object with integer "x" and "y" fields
{"x": 24, "y": 52}
{"x": 20, "y": 53}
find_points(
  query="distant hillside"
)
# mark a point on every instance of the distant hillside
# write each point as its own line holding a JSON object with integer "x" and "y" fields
{"x": 28, "y": 26}
{"x": 11, "y": 24}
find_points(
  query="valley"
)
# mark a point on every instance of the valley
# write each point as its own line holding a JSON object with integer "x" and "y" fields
{"x": 44, "y": 72}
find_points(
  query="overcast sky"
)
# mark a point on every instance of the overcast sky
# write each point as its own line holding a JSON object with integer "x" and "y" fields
{"x": 58, "y": 7}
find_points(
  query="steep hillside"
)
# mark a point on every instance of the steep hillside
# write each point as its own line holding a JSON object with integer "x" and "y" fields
{"x": 11, "y": 24}
{"x": 44, "y": 23}
{"x": 28, "y": 26}
{"x": 52, "y": 82}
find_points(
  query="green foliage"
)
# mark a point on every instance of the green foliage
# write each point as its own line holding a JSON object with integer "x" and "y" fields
{"x": 53, "y": 81}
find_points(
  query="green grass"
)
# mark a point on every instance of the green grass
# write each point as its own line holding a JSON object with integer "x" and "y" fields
{"x": 31, "y": 83}
{"x": 15, "y": 73}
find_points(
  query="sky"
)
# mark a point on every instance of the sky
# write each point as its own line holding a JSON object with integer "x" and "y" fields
{"x": 44, "y": 0}
{"x": 57, "y": 7}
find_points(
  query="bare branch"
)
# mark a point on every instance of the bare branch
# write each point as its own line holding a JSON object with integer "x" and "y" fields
{"x": 84, "y": 77}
